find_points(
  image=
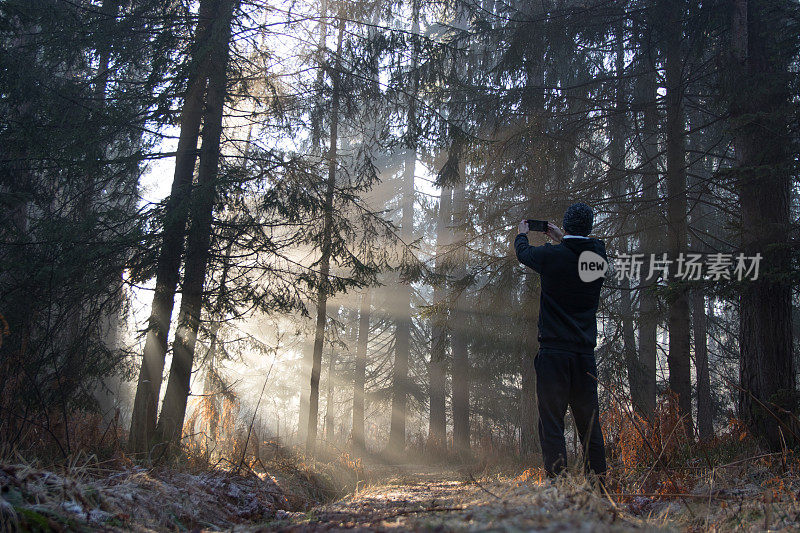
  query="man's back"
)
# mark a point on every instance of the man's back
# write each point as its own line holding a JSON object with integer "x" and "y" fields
{"x": 568, "y": 308}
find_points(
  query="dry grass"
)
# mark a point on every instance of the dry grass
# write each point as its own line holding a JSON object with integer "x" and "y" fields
{"x": 88, "y": 496}
{"x": 726, "y": 483}
{"x": 752, "y": 493}
{"x": 185, "y": 492}
{"x": 658, "y": 479}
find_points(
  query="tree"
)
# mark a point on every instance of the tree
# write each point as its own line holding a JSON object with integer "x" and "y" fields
{"x": 701, "y": 214}
{"x": 359, "y": 374}
{"x": 145, "y": 407}
{"x": 325, "y": 247}
{"x": 649, "y": 218}
{"x": 203, "y": 199}
{"x": 461, "y": 363}
{"x": 618, "y": 178}
{"x": 678, "y": 306}
{"x": 437, "y": 421}
{"x": 397, "y": 430}
{"x": 70, "y": 166}
{"x": 758, "y": 91}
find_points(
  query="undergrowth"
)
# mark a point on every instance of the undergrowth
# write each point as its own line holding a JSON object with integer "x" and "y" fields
{"x": 658, "y": 473}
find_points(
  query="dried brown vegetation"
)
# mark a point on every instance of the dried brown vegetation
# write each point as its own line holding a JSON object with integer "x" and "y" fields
{"x": 659, "y": 479}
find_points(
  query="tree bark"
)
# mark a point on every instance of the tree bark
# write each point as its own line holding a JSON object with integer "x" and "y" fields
{"x": 700, "y": 215}
{"x": 329, "y": 435}
{"x": 359, "y": 375}
{"x": 145, "y": 406}
{"x": 759, "y": 98}
{"x": 461, "y": 370}
{"x": 325, "y": 256}
{"x": 705, "y": 426}
{"x": 649, "y": 220}
{"x": 437, "y": 423}
{"x": 678, "y": 358}
{"x": 529, "y": 405}
{"x": 173, "y": 411}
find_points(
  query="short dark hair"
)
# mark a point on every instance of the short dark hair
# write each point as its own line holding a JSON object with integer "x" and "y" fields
{"x": 578, "y": 219}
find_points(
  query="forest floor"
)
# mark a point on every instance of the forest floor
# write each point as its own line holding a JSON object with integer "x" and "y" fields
{"x": 422, "y": 498}
{"x": 393, "y": 498}
{"x": 286, "y": 494}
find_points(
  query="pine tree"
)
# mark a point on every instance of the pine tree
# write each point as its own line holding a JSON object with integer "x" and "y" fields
{"x": 203, "y": 199}
{"x": 145, "y": 408}
{"x": 757, "y": 88}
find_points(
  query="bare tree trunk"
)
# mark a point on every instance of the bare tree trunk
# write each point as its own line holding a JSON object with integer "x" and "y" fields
{"x": 329, "y": 436}
{"x": 461, "y": 369}
{"x": 700, "y": 214}
{"x": 529, "y": 406}
{"x": 636, "y": 378}
{"x": 437, "y": 423}
{"x": 145, "y": 405}
{"x": 649, "y": 222}
{"x": 759, "y": 106}
{"x": 705, "y": 426}
{"x": 397, "y": 430}
{"x": 533, "y": 101}
{"x": 173, "y": 411}
{"x": 678, "y": 319}
{"x": 359, "y": 376}
{"x": 325, "y": 257}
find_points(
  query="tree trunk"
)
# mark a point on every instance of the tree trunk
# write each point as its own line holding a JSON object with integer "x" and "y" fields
{"x": 329, "y": 436}
{"x": 678, "y": 318}
{"x": 461, "y": 431}
{"x": 145, "y": 406}
{"x": 173, "y": 411}
{"x": 212, "y": 384}
{"x": 359, "y": 375}
{"x": 533, "y": 102}
{"x": 325, "y": 256}
{"x": 109, "y": 10}
{"x": 705, "y": 426}
{"x": 397, "y": 430}
{"x": 437, "y": 423}
{"x": 650, "y": 223}
{"x": 529, "y": 406}
{"x": 316, "y": 128}
{"x": 759, "y": 99}
{"x": 618, "y": 177}
{"x": 700, "y": 216}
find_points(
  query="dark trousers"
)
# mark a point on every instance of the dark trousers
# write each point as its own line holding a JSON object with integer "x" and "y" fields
{"x": 567, "y": 378}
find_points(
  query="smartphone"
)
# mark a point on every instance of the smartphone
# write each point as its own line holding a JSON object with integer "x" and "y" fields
{"x": 537, "y": 225}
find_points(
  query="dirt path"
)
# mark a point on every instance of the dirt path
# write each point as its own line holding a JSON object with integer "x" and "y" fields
{"x": 418, "y": 498}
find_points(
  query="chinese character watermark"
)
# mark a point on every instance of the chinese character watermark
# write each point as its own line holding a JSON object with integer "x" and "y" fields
{"x": 687, "y": 266}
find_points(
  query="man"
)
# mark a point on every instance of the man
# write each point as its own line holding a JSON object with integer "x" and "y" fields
{"x": 565, "y": 365}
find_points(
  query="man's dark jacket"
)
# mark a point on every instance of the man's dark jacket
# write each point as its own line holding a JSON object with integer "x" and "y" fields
{"x": 568, "y": 306}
